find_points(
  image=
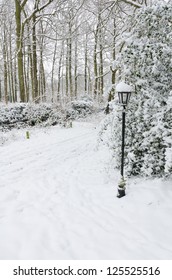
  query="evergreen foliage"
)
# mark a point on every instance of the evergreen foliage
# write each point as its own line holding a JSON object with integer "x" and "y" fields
{"x": 20, "y": 115}
{"x": 146, "y": 62}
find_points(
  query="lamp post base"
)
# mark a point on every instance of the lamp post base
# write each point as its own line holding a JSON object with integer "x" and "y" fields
{"x": 121, "y": 192}
{"x": 121, "y": 188}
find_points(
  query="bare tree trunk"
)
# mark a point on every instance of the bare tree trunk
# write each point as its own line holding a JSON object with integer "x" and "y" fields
{"x": 101, "y": 66}
{"x": 113, "y": 77}
{"x": 11, "y": 70}
{"x": 59, "y": 72}
{"x": 76, "y": 67}
{"x": 19, "y": 44}
{"x": 42, "y": 82}
{"x": 5, "y": 70}
{"x": 9, "y": 76}
{"x": 86, "y": 67}
{"x": 30, "y": 65}
{"x": 5, "y": 74}
{"x": 26, "y": 78}
{"x": 113, "y": 72}
{"x": 70, "y": 61}
{"x": 95, "y": 63}
{"x": 15, "y": 79}
{"x": 34, "y": 60}
{"x": 89, "y": 81}
{"x": 9, "y": 60}
{"x": 67, "y": 68}
{"x": 53, "y": 67}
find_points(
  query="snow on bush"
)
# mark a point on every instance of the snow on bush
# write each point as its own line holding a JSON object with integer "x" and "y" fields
{"x": 146, "y": 62}
{"x": 81, "y": 108}
{"x": 21, "y": 114}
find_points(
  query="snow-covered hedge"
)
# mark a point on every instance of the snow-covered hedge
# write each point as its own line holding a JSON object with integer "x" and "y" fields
{"x": 146, "y": 62}
{"x": 81, "y": 108}
{"x": 21, "y": 114}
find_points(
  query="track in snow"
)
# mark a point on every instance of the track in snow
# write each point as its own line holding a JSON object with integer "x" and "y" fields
{"x": 57, "y": 202}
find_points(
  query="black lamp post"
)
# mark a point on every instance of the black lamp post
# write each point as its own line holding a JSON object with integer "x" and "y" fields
{"x": 124, "y": 92}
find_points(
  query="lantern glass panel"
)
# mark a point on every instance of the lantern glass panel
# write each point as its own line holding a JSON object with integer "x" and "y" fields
{"x": 129, "y": 95}
{"x": 124, "y": 97}
{"x": 120, "y": 97}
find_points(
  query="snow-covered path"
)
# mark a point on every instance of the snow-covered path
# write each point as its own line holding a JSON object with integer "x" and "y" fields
{"x": 58, "y": 201}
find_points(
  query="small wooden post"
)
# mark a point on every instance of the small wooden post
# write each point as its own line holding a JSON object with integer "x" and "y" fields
{"x": 27, "y": 135}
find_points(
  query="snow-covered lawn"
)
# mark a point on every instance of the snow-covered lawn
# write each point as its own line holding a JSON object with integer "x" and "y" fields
{"x": 58, "y": 201}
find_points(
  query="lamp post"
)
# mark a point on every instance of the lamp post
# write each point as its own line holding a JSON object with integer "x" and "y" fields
{"x": 124, "y": 92}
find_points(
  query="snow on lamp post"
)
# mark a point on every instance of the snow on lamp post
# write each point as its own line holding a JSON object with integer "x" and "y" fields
{"x": 124, "y": 92}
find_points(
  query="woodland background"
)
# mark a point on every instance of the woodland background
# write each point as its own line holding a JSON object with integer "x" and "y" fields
{"x": 57, "y": 50}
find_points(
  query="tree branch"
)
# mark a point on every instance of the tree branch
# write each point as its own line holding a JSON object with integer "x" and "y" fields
{"x": 132, "y": 3}
{"x": 23, "y": 3}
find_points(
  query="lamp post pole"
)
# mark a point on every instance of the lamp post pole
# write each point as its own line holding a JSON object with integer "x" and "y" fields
{"x": 121, "y": 185}
{"x": 124, "y": 92}
{"x": 123, "y": 142}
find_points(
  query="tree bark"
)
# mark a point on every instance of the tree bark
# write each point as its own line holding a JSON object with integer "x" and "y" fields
{"x": 101, "y": 62}
{"x": 70, "y": 61}
{"x": 19, "y": 44}
{"x": 76, "y": 67}
{"x": 86, "y": 66}
{"x": 95, "y": 62}
{"x": 67, "y": 68}
{"x": 34, "y": 55}
{"x": 5, "y": 70}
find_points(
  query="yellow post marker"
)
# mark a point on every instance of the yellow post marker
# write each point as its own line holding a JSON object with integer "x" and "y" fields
{"x": 27, "y": 135}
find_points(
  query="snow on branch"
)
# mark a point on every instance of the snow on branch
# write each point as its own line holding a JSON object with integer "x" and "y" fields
{"x": 132, "y": 3}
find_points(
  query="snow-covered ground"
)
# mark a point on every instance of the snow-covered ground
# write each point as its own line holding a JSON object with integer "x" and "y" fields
{"x": 58, "y": 201}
